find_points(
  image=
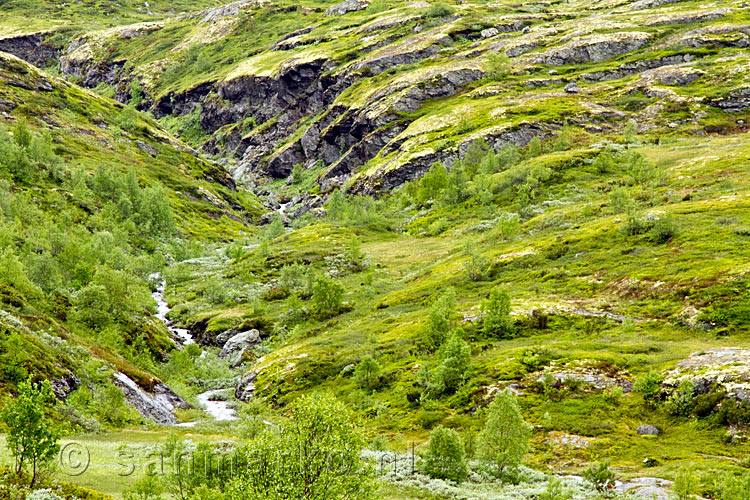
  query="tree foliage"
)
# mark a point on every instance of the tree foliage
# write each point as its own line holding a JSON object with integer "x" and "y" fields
{"x": 445, "y": 457}
{"x": 504, "y": 440}
{"x": 32, "y": 437}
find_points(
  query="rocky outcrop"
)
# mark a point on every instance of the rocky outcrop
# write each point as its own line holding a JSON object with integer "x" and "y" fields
{"x": 736, "y": 100}
{"x": 636, "y": 67}
{"x": 691, "y": 17}
{"x": 594, "y": 48}
{"x": 158, "y": 405}
{"x": 347, "y": 6}
{"x": 728, "y": 367}
{"x": 31, "y": 48}
{"x": 672, "y": 75}
{"x": 92, "y": 74}
{"x": 65, "y": 385}
{"x": 18, "y": 73}
{"x": 245, "y": 388}
{"x": 391, "y": 176}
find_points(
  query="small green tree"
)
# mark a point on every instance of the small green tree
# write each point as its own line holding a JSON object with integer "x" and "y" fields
{"x": 327, "y": 295}
{"x": 454, "y": 360}
{"x": 496, "y": 314}
{"x": 316, "y": 454}
{"x": 433, "y": 183}
{"x": 445, "y": 457}
{"x": 367, "y": 372}
{"x": 32, "y": 437}
{"x": 441, "y": 319}
{"x": 534, "y": 147}
{"x": 682, "y": 401}
{"x": 504, "y": 440}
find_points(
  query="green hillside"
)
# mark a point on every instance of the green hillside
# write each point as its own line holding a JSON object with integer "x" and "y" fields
{"x": 417, "y": 208}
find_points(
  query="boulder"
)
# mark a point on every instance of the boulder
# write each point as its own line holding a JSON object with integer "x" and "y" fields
{"x": 648, "y": 430}
{"x": 572, "y": 88}
{"x": 347, "y": 6}
{"x": 489, "y": 32}
{"x": 246, "y": 387}
{"x": 236, "y": 346}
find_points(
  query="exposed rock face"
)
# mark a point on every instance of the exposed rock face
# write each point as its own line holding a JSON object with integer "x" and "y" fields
{"x": 672, "y": 75}
{"x": 31, "y": 48}
{"x": 636, "y": 67}
{"x": 347, "y": 6}
{"x": 737, "y": 100}
{"x": 246, "y": 387}
{"x": 727, "y": 367}
{"x": 692, "y": 17}
{"x": 18, "y": 74}
{"x": 594, "y": 48}
{"x": 65, "y": 385}
{"x": 158, "y": 406}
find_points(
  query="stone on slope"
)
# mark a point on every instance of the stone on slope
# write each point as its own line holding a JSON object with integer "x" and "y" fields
{"x": 236, "y": 346}
{"x": 347, "y": 6}
{"x": 246, "y": 387}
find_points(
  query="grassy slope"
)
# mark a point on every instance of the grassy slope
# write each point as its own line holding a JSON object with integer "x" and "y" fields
{"x": 570, "y": 255}
{"x": 89, "y": 133}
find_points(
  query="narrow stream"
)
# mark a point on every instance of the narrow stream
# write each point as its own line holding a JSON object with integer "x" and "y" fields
{"x": 219, "y": 410}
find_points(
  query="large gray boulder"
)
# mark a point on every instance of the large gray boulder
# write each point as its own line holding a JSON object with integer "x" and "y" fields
{"x": 236, "y": 346}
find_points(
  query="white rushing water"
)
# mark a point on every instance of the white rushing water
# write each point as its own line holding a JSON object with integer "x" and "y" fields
{"x": 219, "y": 410}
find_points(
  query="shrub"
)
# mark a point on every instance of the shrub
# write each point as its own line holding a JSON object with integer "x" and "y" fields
{"x": 274, "y": 229}
{"x": 454, "y": 360}
{"x": 445, "y": 457}
{"x": 504, "y": 440}
{"x": 293, "y": 276}
{"x": 621, "y": 201}
{"x": 642, "y": 171}
{"x": 600, "y": 476}
{"x": 663, "y": 230}
{"x": 433, "y": 183}
{"x": 327, "y": 296}
{"x": 649, "y": 385}
{"x": 437, "y": 9}
{"x": 296, "y": 176}
{"x": 441, "y": 319}
{"x": 367, "y": 372}
{"x": 628, "y": 134}
{"x": 478, "y": 267}
{"x": 498, "y": 65}
{"x": 496, "y": 311}
{"x": 147, "y": 487}
{"x": 682, "y": 401}
{"x": 534, "y": 148}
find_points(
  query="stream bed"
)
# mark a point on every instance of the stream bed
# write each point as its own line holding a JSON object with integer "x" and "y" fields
{"x": 219, "y": 410}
